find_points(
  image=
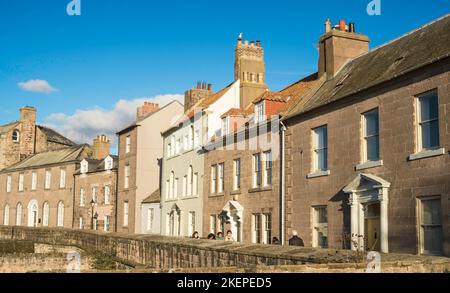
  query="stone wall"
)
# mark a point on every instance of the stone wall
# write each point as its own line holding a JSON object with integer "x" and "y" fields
{"x": 161, "y": 252}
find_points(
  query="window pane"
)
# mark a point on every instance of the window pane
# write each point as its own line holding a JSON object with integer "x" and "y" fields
{"x": 321, "y": 137}
{"x": 430, "y": 134}
{"x": 432, "y": 212}
{"x": 373, "y": 151}
{"x": 429, "y": 107}
{"x": 322, "y": 159}
{"x": 371, "y": 123}
{"x": 432, "y": 238}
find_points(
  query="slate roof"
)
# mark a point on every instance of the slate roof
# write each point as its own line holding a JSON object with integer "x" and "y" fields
{"x": 53, "y": 136}
{"x": 155, "y": 197}
{"x": 423, "y": 46}
{"x": 66, "y": 155}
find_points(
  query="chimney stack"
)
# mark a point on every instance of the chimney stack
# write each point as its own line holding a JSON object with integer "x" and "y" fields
{"x": 192, "y": 96}
{"x": 146, "y": 109}
{"x": 338, "y": 45}
{"x": 101, "y": 147}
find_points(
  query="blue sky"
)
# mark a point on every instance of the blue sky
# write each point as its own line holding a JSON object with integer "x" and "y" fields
{"x": 127, "y": 50}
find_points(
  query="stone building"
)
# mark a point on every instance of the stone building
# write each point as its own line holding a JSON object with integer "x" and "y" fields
{"x": 183, "y": 174}
{"x": 242, "y": 180}
{"x": 23, "y": 138}
{"x": 140, "y": 151}
{"x": 38, "y": 191}
{"x": 95, "y": 189}
{"x": 366, "y": 156}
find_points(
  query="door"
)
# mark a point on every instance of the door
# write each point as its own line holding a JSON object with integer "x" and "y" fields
{"x": 431, "y": 236}
{"x": 372, "y": 227}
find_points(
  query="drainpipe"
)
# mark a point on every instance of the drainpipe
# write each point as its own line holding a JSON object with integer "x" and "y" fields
{"x": 282, "y": 186}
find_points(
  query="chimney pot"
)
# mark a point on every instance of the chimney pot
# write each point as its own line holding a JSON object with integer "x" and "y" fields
{"x": 258, "y": 43}
{"x": 342, "y": 25}
{"x": 327, "y": 25}
{"x": 209, "y": 87}
{"x": 199, "y": 85}
{"x": 252, "y": 43}
{"x": 246, "y": 43}
{"x": 204, "y": 86}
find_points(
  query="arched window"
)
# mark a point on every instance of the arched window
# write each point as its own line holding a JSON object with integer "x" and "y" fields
{"x": 60, "y": 221}
{"x": 6, "y": 215}
{"x": 19, "y": 214}
{"x": 33, "y": 213}
{"x": 16, "y": 136}
{"x": 45, "y": 212}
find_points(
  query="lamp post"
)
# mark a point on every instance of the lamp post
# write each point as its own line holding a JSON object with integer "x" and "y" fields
{"x": 92, "y": 214}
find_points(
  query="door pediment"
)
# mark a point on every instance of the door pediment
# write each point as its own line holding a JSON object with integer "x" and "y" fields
{"x": 366, "y": 182}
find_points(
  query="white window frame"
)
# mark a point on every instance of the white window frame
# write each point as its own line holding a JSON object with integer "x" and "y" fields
{"x": 191, "y": 223}
{"x": 317, "y": 226}
{"x": 126, "y": 183}
{"x": 128, "y": 144}
{"x": 6, "y": 215}
{"x": 126, "y": 208}
{"x": 60, "y": 215}
{"x": 94, "y": 191}
{"x": 221, "y": 181}
{"x": 260, "y": 112}
{"x": 19, "y": 214}
{"x": 106, "y": 223}
{"x": 317, "y": 149}
{"x": 256, "y": 228}
{"x": 366, "y": 137}
{"x": 48, "y": 179}
{"x": 268, "y": 169}
{"x": 257, "y": 174}
{"x": 150, "y": 218}
{"x": 419, "y": 121}
{"x": 62, "y": 178}
{"x": 33, "y": 181}
{"x": 81, "y": 223}
{"x": 225, "y": 125}
{"x": 214, "y": 179}
{"x": 8, "y": 183}
{"x": 184, "y": 194}
{"x": 15, "y": 136}
{"x": 82, "y": 197}
{"x": 107, "y": 191}
{"x": 421, "y": 224}
{"x": 237, "y": 174}
{"x": 45, "y": 214}
{"x": 21, "y": 181}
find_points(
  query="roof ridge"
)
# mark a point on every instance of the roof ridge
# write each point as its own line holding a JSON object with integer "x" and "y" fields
{"x": 398, "y": 38}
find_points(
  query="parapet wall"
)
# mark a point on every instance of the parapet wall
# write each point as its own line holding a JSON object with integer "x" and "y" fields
{"x": 162, "y": 252}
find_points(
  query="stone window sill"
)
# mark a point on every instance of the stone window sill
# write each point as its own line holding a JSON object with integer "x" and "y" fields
{"x": 427, "y": 154}
{"x": 189, "y": 197}
{"x": 216, "y": 194}
{"x": 259, "y": 189}
{"x": 234, "y": 192}
{"x": 317, "y": 174}
{"x": 368, "y": 165}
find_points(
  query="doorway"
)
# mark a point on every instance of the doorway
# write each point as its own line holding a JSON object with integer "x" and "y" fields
{"x": 372, "y": 227}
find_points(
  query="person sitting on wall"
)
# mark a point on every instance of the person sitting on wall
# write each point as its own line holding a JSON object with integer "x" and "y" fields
{"x": 220, "y": 236}
{"x": 295, "y": 240}
{"x": 229, "y": 236}
{"x": 211, "y": 236}
{"x": 195, "y": 235}
{"x": 275, "y": 241}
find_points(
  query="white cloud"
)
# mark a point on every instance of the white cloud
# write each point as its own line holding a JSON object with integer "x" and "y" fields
{"x": 37, "y": 85}
{"x": 84, "y": 125}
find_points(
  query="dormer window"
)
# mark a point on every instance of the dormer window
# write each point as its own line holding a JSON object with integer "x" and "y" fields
{"x": 84, "y": 167}
{"x": 226, "y": 125}
{"x": 108, "y": 163}
{"x": 259, "y": 112}
{"x": 16, "y": 136}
